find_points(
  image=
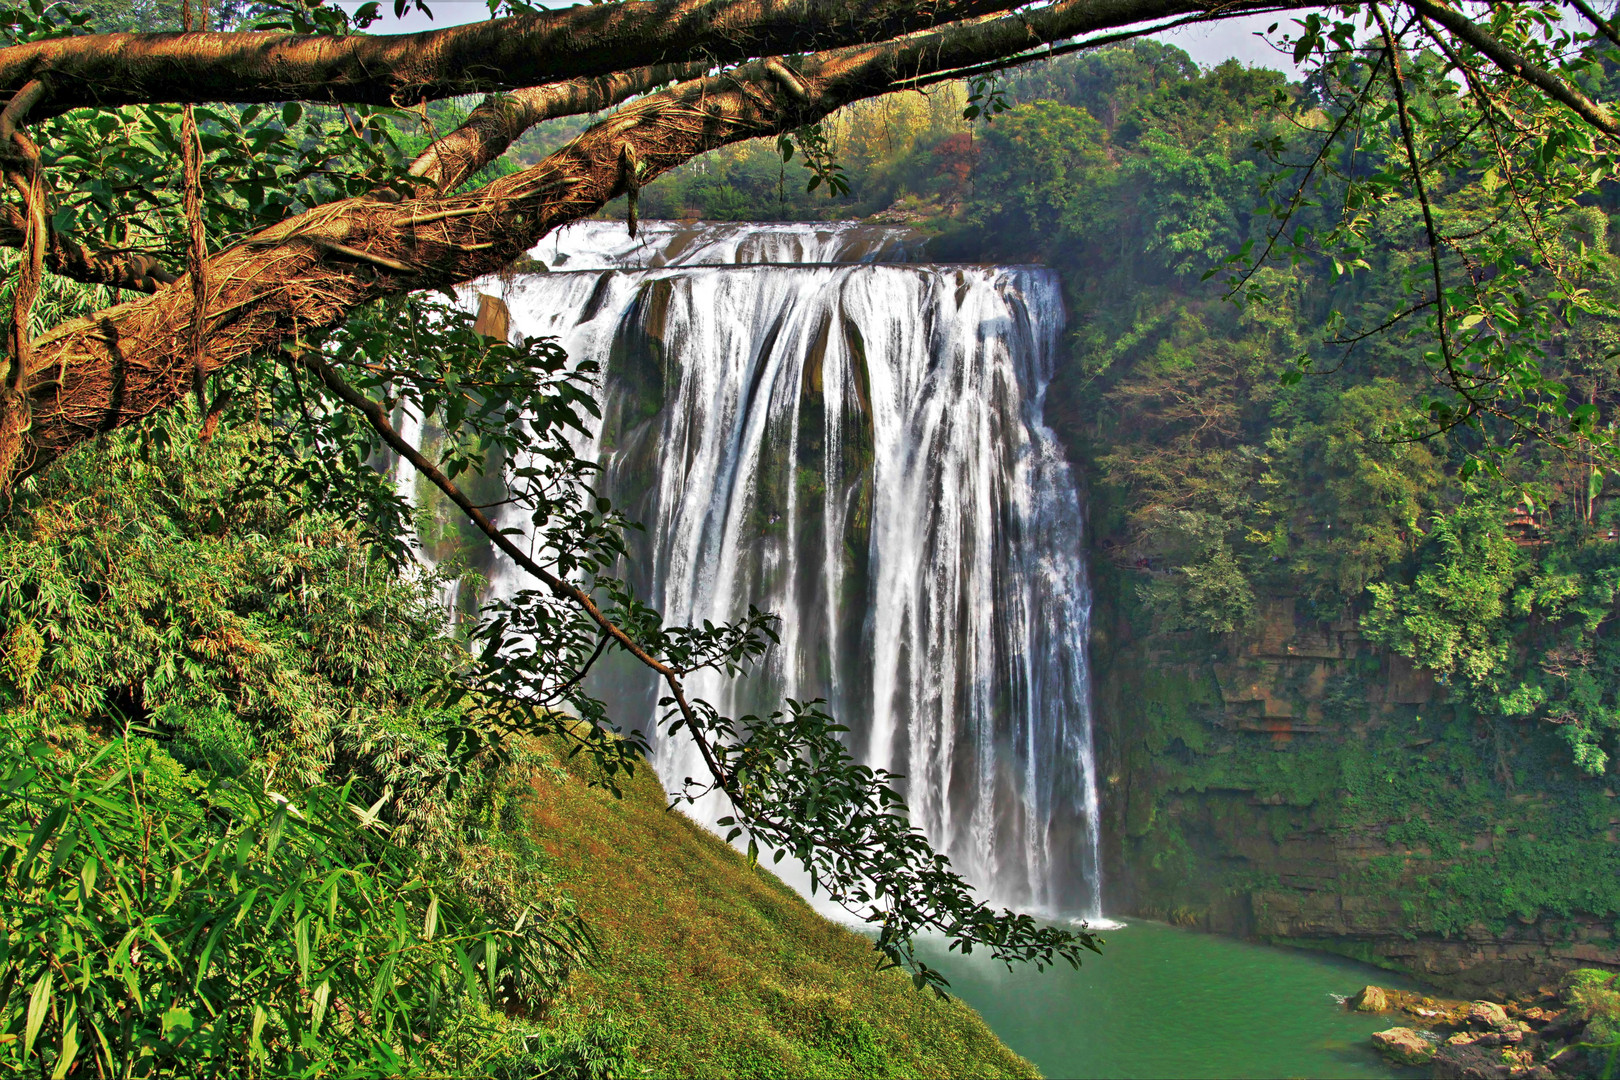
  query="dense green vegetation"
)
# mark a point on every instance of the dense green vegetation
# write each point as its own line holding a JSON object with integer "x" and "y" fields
{"x": 1265, "y": 443}
{"x": 235, "y": 838}
{"x": 264, "y": 812}
{"x": 220, "y": 668}
{"x": 1222, "y": 478}
{"x": 178, "y": 656}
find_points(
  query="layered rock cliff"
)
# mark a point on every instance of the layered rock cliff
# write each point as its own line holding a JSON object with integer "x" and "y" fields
{"x": 1282, "y": 783}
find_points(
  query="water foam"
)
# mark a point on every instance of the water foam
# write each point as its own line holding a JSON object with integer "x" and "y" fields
{"x": 810, "y": 423}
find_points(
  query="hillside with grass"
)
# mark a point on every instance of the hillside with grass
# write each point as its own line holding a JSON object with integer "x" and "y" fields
{"x": 711, "y": 967}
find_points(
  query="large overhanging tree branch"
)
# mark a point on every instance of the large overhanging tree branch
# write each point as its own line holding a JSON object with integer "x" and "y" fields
{"x": 502, "y": 54}
{"x": 502, "y": 118}
{"x": 307, "y": 273}
{"x": 486, "y": 134}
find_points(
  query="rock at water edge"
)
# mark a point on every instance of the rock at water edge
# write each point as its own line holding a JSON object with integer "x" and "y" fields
{"x": 1370, "y": 999}
{"x": 1487, "y": 1014}
{"x": 1470, "y": 1063}
{"x": 1404, "y": 1045}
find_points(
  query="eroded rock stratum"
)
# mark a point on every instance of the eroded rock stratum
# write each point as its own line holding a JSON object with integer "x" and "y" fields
{"x": 1296, "y": 782}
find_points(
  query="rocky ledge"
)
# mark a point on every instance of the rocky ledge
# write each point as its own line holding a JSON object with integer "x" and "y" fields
{"x": 1557, "y": 1033}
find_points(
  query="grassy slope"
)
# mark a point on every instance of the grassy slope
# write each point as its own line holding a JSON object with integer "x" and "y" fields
{"x": 717, "y": 969}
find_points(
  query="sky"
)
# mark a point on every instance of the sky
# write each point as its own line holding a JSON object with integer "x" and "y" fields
{"x": 1211, "y": 43}
{"x": 1208, "y": 45}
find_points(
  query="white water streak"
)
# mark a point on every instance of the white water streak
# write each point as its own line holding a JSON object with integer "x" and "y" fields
{"x": 403, "y": 475}
{"x": 859, "y": 447}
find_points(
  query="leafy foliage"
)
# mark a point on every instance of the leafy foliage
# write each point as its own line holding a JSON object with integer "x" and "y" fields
{"x": 508, "y": 417}
{"x": 1279, "y": 466}
{"x": 800, "y": 793}
{"x": 161, "y": 924}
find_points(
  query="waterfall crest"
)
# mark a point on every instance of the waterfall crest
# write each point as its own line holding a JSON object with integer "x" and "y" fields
{"x": 811, "y": 423}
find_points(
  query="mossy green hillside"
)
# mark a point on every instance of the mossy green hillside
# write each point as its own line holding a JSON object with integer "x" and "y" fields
{"x": 716, "y": 968}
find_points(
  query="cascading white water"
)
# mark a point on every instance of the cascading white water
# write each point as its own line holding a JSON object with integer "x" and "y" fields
{"x": 405, "y": 481}
{"x": 808, "y": 423}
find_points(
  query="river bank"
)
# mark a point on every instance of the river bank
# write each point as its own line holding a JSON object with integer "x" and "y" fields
{"x": 1569, "y": 1030}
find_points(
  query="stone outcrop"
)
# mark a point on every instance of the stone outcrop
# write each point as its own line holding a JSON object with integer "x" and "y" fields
{"x": 1224, "y": 806}
{"x": 1548, "y": 1034}
{"x": 1404, "y": 1045}
{"x": 1369, "y": 999}
{"x": 1479, "y": 960}
{"x": 1487, "y": 1014}
{"x": 1473, "y": 1062}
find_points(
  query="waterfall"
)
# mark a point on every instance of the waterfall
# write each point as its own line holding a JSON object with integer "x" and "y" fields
{"x": 404, "y": 479}
{"x": 808, "y": 421}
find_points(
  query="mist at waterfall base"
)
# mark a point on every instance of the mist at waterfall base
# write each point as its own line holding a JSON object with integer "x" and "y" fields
{"x": 809, "y": 420}
{"x": 811, "y": 423}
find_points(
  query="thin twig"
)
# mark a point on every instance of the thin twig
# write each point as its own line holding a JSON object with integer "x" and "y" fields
{"x": 197, "y": 246}
{"x": 1596, "y": 20}
{"x": 1391, "y": 49}
{"x": 378, "y": 418}
{"x": 1299, "y": 191}
{"x": 1518, "y": 66}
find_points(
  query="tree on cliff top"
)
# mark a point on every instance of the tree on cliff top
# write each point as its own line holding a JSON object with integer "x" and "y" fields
{"x": 286, "y": 250}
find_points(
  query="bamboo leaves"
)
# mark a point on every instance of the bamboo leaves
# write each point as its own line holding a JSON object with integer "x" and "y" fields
{"x": 39, "y": 1002}
{"x": 171, "y": 959}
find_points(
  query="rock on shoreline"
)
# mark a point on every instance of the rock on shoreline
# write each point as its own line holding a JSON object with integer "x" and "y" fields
{"x": 1556, "y": 1033}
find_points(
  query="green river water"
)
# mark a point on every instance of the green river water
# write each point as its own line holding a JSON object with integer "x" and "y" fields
{"x": 1163, "y": 1002}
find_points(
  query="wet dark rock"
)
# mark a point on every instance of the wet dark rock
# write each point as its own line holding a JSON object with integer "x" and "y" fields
{"x": 1487, "y": 1039}
{"x": 1562, "y": 1027}
{"x": 1470, "y": 1062}
{"x": 1572, "y": 1062}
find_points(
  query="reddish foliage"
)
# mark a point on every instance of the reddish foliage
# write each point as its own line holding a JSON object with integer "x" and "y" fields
{"x": 955, "y": 156}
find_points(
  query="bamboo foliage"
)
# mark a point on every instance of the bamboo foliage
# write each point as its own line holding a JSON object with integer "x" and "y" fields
{"x": 236, "y": 931}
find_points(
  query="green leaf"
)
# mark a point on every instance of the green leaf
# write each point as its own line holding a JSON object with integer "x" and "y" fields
{"x": 318, "y": 1003}
{"x": 430, "y": 920}
{"x": 42, "y": 835}
{"x": 469, "y": 973}
{"x": 492, "y": 959}
{"x": 68, "y": 1056}
{"x": 39, "y": 1003}
{"x": 301, "y": 948}
{"x": 178, "y": 1024}
{"x": 220, "y": 926}
{"x": 257, "y": 1028}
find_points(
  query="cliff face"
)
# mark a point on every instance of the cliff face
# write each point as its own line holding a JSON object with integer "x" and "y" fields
{"x": 1298, "y": 784}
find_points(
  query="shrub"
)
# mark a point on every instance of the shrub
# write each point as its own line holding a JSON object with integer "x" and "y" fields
{"x": 157, "y": 924}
